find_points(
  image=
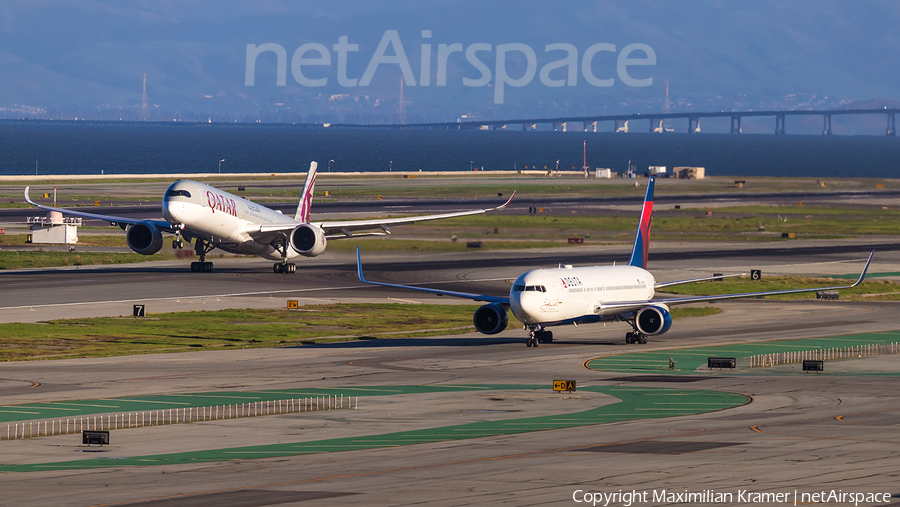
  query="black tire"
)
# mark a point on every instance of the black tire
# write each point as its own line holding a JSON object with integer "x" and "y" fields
{"x": 642, "y": 339}
{"x": 208, "y": 267}
{"x": 528, "y": 341}
{"x": 628, "y": 338}
{"x": 536, "y": 341}
{"x": 278, "y": 268}
{"x": 195, "y": 267}
{"x": 548, "y": 336}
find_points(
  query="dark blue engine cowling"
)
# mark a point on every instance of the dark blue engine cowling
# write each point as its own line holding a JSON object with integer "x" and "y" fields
{"x": 144, "y": 238}
{"x": 490, "y": 319}
{"x": 653, "y": 320}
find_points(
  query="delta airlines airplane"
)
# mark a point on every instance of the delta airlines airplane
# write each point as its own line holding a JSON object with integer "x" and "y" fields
{"x": 567, "y": 295}
{"x": 217, "y": 219}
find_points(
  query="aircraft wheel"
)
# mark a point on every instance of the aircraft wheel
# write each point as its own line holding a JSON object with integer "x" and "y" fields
{"x": 529, "y": 341}
{"x": 195, "y": 267}
{"x": 629, "y": 337}
{"x": 278, "y": 267}
{"x": 548, "y": 336}
{"x": 642, "y": 339}
{"x": 207, "y": 267}
{"x": 536, "y": 341}
{"x": 290, "y": 267}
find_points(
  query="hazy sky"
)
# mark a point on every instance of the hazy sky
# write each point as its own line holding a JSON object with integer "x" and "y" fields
{"x": 343, "y": 60}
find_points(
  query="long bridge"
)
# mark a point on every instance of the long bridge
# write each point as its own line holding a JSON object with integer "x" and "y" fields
{"x": 656, "y": 121}
{"x": 561, "y": 124}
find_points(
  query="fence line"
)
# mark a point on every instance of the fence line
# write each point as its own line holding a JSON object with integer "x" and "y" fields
{"x": 125, "y": 420}
{"x": 856, "y": 351}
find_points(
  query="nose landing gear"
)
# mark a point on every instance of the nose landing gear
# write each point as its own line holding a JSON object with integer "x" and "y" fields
{"x": 537, "y": 335}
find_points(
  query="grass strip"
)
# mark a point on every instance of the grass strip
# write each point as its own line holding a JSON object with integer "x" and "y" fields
{"x": 242, "y": 328}
{"x": 184, "y": 331}
{"x": 20, "y": 260}
{"x": 869, "y": 290}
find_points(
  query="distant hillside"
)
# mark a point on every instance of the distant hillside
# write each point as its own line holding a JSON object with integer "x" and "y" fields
{"x": 86, "y": 59}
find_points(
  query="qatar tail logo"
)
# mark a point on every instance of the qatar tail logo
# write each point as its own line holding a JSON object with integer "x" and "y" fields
{"x": 306, "y": 203}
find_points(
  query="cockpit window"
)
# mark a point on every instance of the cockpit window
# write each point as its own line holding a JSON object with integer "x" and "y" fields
{"x": 535, "y": 288}
{"x": 175, "y": 193}
{"x": 518, "y": 288}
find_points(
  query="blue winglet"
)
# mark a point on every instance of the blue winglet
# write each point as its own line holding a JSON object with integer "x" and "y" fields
{"x": 359, "y": 272}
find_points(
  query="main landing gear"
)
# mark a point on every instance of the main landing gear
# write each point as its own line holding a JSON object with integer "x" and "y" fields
{"x": 284, "y": 266}
{"x": 202, "y": 247}
{"x": 635, "y": 336}
{"x": 536, "y": 336}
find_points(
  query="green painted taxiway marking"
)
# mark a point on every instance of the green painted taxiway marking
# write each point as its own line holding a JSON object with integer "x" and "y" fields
{"x": 132, "y": 404}
{"x": 633, "y": 403}
{"x": 689, "y": 359}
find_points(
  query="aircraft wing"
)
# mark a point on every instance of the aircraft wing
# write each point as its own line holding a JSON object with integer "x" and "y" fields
{"x": 464, "y": 295}
{"x": 629, "y": 306}
{"x": 692, "y": 280}
{"x": 119, "y": 221}
{"x": 334, "y": 230}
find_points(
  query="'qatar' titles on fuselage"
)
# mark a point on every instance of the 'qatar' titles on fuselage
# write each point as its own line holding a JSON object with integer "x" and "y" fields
{"x": 216, "y": 215}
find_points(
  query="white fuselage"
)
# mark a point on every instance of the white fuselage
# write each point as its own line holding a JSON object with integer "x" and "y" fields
{"x": 560, "y": 295}
{"x": 222, "y": 218}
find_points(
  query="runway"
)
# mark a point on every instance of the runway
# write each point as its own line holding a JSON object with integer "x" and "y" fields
{"x": 836, "y": 430}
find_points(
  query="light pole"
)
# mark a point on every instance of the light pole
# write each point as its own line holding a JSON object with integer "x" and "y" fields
{"x": 391, "y": 166}
{"x": 470, "y": 164}
{"x": 220, "y": 165}
{"x": 329, "y": 165}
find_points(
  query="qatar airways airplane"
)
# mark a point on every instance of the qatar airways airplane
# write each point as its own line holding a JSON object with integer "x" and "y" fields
{"x": 217, "y": 219}
{"x": 571, "y": 296}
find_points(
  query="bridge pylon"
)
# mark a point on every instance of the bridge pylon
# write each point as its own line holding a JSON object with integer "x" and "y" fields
{"x": 779, "y": 124}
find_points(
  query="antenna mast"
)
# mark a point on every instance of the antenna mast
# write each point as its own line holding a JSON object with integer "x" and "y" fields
{"x": 144, "y": 113}
{"x": 584, "y": 165}
{"x": 401, "y": 106}
{"x": 667, "y": 109}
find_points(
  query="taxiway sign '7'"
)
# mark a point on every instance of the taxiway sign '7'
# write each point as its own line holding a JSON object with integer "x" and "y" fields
{"x": 567, "y": 295}
{"x": 218, "y": 219}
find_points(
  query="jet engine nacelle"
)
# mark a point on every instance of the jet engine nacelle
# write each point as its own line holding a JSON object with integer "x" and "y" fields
{"x": 308, "y": 240}
{"x": 144, "y": 238}
{"x": 490, "y": 319}
{"x": 653, "y": 320}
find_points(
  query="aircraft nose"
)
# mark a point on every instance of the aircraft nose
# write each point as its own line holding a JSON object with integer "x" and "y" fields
{"x": 524, "y": 307}
{"x": 173, "y": 211}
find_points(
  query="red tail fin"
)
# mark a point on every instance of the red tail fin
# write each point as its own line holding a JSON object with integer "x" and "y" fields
{"x": 305, "y": 204}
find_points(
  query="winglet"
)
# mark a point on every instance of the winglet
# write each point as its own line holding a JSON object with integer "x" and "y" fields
{"x": 642, "y": 238}
{"x": 359, "y": 272}
{"x": 28, "y": 198}
{"x": 862, "y": 276}
{"x": 305, "y": 204}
